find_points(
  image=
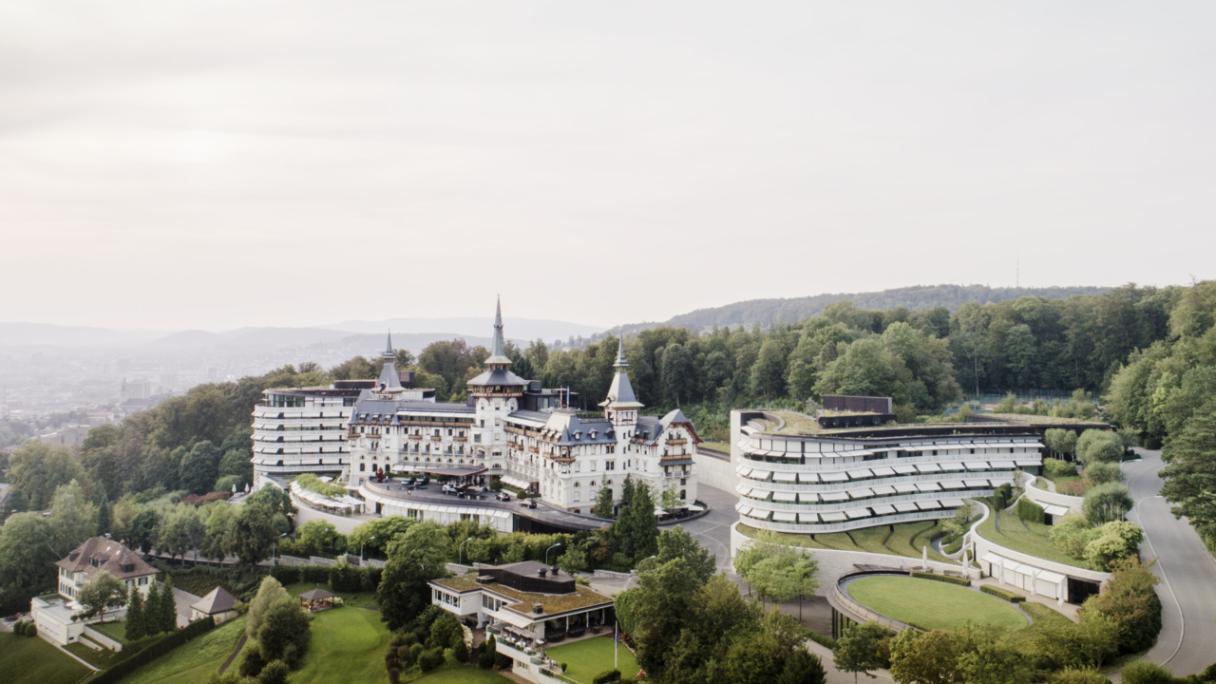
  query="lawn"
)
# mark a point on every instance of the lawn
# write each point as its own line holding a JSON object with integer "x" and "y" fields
{"x": 459, "y": 674}
{"x": 116, "y": 630}
{"x": 931, "y": 604}
{"x": 902, "y": 539}
{"x": 348, "y": 644}
{"x": 30, "y": 660}
{"x": 723, "y": 447}
{"x": 589, "y": 657}
{"x": 195, "y": 661}
{"x": 1027, "y": 537}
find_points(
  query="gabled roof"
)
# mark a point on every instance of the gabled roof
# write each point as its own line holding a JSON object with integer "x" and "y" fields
{"x": 572, "y": 429}
{"x": 100, "y": 553}
{"x": 217, "y": 601}
{"x": 317, "y": 594}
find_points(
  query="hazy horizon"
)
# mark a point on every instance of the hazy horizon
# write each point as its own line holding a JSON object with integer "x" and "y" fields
{"x": 170, "y": 165}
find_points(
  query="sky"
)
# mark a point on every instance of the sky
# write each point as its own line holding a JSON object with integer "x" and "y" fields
{"x": 169, "y": 164}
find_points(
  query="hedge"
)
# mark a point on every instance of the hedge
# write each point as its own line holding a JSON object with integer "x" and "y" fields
{"x": 961, "y": 581}
{"x": 609, "y": 677}
{"x": 157, "y": 648}
{"x": 1002, "y": 594}
{"x": 340, "y": 578}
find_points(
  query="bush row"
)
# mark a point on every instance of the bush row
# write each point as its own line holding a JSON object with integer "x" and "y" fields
{"x": 339, "y": 578}
{"x": 1002, "y": 594}
{"x": 609, "y": 677}
{"x": 961, "y": 581}
{"x": 122, "y": 668}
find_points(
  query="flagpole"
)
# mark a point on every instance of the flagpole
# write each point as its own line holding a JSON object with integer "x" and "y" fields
{"x": 616, "y": 645}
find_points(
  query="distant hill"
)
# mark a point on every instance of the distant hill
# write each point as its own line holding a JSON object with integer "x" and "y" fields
{"x": 769, "y": 312}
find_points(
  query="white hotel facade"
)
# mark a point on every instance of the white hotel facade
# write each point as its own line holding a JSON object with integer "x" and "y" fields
{"x": 845, "y": 469}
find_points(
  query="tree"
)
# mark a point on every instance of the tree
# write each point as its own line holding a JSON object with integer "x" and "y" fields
{"x": 1072, "y": 534}
{"x": 1078, "y": 676}
{"x": 317, "y": 537}
{"x": 1099, "y": 445}
{"x": 776, "y": 571}
{"x": 37, "y": 469}
{"x": 217, "y": 534}
{"x": 199, "y": 468}
{"x": 661, "y": 602}
{"x": 253, "y": 533}
{"x": 166, "y": 612}
{"x": 283, "y": 632}
{"x": 181, "y": 530}
{"x": 1105, "y": 503}
{"x": 572, "y": 560}
{"x": 986, "y": 657}
{"x": 1115, "y": 541}
{"x": 73, "y": 517}
{"x": 136, "y": 627}
{"x": 1189, "y": 470}
{"x": 603, "y": 503}
{"x": 637, "y": 527}
{"x": 768, "y": 373}
{"x": 925, "y": 657}
{"x": 373, "y": 537}
{"x": 102, "y": 592}
{"x": 414, "y": 558}
{"x": 105, "y": 514}
{"x": 270, "y": 591}
{"x": 1131, "y": 604}
{"x": 1101, "y": 472}
{"x": 26, "y": 560}
{"x": 863, "y": 648}
{"x": 1061, "y": 441}
{"x": 770, "y": 654}
{"x": 274, "y": 672}
{"x": 678, "y": 543}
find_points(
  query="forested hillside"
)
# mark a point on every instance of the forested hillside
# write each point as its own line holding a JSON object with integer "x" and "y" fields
{"x": 769, "y": 312}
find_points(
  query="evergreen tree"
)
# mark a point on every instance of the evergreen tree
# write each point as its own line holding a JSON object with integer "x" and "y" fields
{"x": 105, "y": 516}
{"x": 603, "y": 503}
{"x": 167, "y": 614}
{"x": 136, "y": 628}
{"x": 151, "y": 611}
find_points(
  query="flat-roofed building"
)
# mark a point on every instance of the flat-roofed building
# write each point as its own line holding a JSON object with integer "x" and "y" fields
{"x": 526, "y": 606}
{"x": 851, "y": 466}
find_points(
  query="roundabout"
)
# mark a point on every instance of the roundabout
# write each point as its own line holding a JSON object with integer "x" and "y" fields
{"x": 931, "y": 604}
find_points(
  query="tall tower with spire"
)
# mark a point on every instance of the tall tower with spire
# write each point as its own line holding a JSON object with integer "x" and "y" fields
{"x": 389, "y": 380}
{"x": 495, "y": 394}
{"x": 621, "y": 406}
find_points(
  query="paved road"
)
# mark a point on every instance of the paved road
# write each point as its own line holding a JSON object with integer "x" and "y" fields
{"x": 1187, "y": 642}
{"x": 712, "y": 530}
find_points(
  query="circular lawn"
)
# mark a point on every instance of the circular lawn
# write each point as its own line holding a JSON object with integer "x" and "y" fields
{"x": 930, "y": 604}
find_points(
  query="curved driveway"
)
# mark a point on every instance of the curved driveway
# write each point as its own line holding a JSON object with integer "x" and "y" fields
{"x": 1187, "y": 643}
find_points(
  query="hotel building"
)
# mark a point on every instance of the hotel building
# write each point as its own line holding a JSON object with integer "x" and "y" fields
{"x": 851, "y": 466}
{"x": 516, "y": 430}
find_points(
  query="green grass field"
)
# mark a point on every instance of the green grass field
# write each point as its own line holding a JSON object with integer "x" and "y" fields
{"x": 348, "y": 644}
{"x": 30, "y": 660}
{"x": 903, "y": 539}
{"x": 587, "y": 658}
{"x": 931, "y": 604}
{"x": 116, "y": 630}
{"x": 194, "y": 662}
{"x": 1027, "y": 537}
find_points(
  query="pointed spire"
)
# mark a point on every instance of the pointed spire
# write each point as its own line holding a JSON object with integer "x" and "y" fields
{"x": 621, "y": 361}
{"x": 498, "y": 355}
{"x": 389, "y": 378}
{"x": 388, "y": 346}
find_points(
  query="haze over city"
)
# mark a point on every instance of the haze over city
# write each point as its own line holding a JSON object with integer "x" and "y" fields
{"x": 170, "y": 165}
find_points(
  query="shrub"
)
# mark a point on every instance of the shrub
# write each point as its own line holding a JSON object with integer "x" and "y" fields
{"x": 430, "y": 659}
{"x": 486, "y": 660}
{"x": 252, "y": 664}
{"x": 1002, "y": 594}
{"x": 1054, "y": 467}
{"x": 609, "y": 677}
{"x": 275, "y": 672}
{"x": 1115, "y": 541}
{"x": 314, "y": 484}
{"x": 1030, "y": 511}
{"x": 961, "y": 581}
{"x": 1072, "y": 534}
{"x": 1144, "y": 672}
{"x": 1100, "y": 473}
{"x": 1107, "y": 502}
{"x": 1078, "y": 676}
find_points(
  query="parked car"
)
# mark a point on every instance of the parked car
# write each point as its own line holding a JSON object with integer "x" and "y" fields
{"x": 503, "y": 496}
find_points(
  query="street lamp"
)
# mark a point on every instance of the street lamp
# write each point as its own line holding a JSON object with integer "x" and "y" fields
{"x": 274, "y": 551}
{"x": 557, "y": 545}
{"x": 373, "y": 540}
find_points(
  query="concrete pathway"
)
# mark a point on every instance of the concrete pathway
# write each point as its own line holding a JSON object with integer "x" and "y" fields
{"x": 1187, "y": 643}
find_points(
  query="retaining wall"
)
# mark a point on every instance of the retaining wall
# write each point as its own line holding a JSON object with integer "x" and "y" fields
{"x": 715, "y": 470}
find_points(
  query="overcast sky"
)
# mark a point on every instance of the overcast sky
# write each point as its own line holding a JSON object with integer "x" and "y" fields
{"x": 170, "y": 164}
